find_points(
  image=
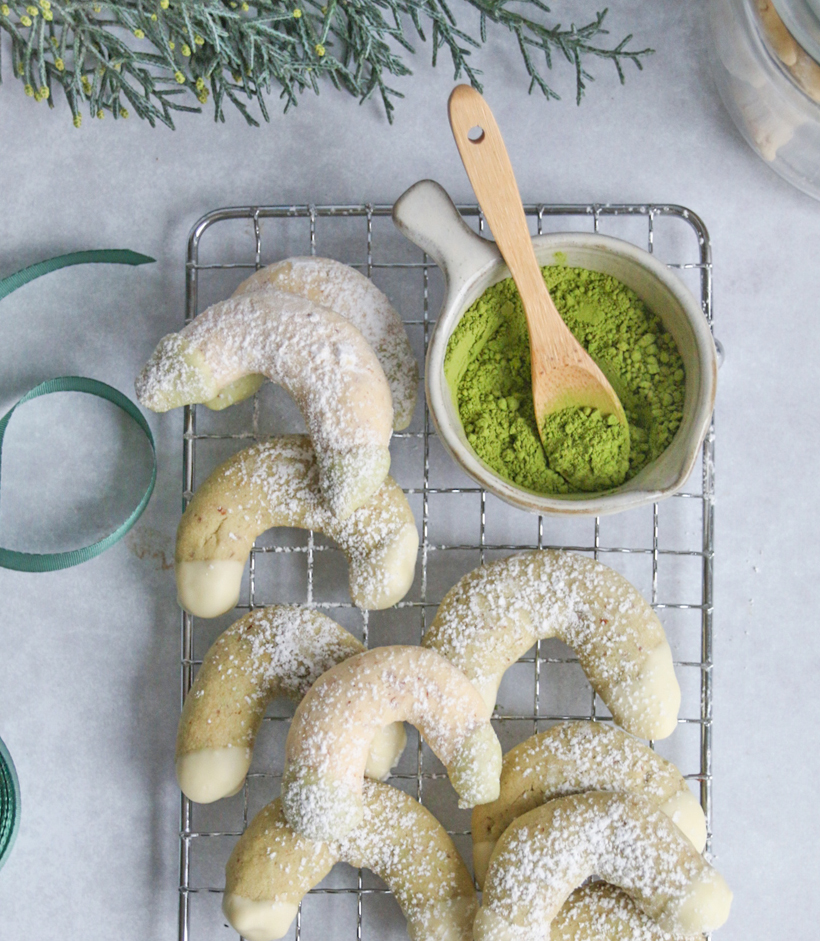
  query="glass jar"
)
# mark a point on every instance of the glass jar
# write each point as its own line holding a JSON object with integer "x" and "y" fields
{"x": 9, "y": 803}
{"x": 766, "y": 63}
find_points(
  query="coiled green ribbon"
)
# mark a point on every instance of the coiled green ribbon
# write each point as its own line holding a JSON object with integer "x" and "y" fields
{"x": 9, "y": 803}
{"x": 51, "y": 561}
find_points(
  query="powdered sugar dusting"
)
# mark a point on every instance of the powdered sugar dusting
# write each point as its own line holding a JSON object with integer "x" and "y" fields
{"x": 548, "y": 852}
{"x": 168, "y": 373}
{"x": 571, "y": 758}
{"x": 602, "y": 912}
{"x": 397, "y": 839}
{"x": 318, "y": 356}
{"x": 336, "y": 721}
{"x": 372, "y": 689}
{"x": 292, "y": 647}
{"x": 354, "y": 297}
{"x": 408, "y": 848}
{"x": 495, "y": 613}
{"x": 601, "y": 758}
{"x": 276, "y": 483}
{"x": 269, "y": 652}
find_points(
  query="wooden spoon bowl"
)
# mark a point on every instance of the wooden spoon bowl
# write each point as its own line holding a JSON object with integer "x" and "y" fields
{"x": 563, "y": 373}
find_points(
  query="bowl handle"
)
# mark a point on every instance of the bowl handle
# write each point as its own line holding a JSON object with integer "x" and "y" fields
{"x": 426, "y": 215}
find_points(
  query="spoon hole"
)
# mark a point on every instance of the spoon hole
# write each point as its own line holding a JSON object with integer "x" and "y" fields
{"x": 476, "y": 134}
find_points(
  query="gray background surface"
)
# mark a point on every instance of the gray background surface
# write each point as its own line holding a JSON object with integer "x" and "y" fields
{"x": 88, "y": 675}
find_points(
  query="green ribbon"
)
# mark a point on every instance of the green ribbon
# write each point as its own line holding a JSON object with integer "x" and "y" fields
{"x": 52, "y": 561}
{"x": 9, "y": 803}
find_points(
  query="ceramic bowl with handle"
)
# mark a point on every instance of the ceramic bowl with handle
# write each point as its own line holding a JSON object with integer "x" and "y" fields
{"x": 471, "y": 264}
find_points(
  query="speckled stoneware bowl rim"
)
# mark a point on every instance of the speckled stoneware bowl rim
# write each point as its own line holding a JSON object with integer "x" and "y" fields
{"x": 9, "y": 803}
{"x": 471, "y": 264}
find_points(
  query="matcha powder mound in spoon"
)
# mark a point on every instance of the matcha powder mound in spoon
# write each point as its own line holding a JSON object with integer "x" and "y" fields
{"x": 488, "y": 368}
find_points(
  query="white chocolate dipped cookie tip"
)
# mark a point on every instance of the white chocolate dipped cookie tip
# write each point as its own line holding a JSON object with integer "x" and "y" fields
{"x": 258, "y": 920}
{"x": 356, "y": 298}
{"x": 385, "y": 750}
{"x": 684, "y": 810}
{"x": 705, "y": 907}
{"x": 175, "y": 375}
{"x": 206, "y": 775}
{"x": 387, "y": 575}
{"x": 648, "y": 704}
{"x": 208, "y": 588}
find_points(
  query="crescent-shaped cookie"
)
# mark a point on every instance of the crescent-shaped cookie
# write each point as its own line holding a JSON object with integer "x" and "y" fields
{"x": 276, "y": 483}
{"x": 498, "y": 611}
{"x": 356, "y": 298}
{"x": 599, "y": 911}
{"x": 331, "y": 732}
{"x": 271, "y": 868}
{"x": 548, "y": 852}
{"x": 319, "y": 357}
{"x": 574, "y": 757}
{"x": 275, "y": 651}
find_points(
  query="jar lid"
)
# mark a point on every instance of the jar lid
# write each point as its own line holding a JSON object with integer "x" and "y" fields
{"x": 9, "y": 803}
{"x": 802, "y": 20}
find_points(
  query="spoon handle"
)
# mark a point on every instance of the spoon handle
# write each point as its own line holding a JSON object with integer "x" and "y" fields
{"x": 491, "y": 175}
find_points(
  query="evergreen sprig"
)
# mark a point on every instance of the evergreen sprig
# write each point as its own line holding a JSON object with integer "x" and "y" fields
{"x": 152, "y": 55}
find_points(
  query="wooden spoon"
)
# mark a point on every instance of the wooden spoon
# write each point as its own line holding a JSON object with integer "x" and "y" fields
{"x": 563, "y": 373}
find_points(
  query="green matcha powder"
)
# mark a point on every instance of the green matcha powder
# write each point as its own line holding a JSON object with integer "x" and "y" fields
{"x": 488, "y": 368}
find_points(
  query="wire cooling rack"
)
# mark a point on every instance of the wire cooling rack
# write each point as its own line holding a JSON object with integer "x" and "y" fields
{"x": 666, "y": 550}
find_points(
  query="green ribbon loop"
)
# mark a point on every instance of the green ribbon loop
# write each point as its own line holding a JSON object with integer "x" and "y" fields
{"x": 9, "y": 803}
{"x": 105, "y": 256}
{"x": 52, "y": 561}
